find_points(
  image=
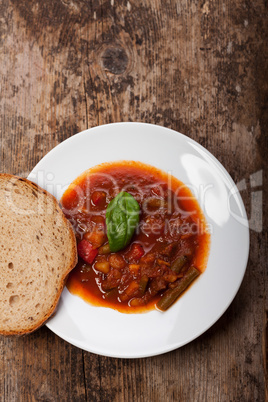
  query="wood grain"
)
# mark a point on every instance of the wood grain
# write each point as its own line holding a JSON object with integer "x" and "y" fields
{"x": 198, "y": 67}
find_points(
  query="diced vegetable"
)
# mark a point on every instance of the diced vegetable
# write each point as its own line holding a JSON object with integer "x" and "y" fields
{"x": 99, "y": 219}
{"x": 98, "y": 198}
{"x": 134, "y": 268}
{"x": 171, "y": 295}
{"x": 86, "y": 251}
{"x": 102, "y": 266}
{"x": 73, "y": 198}
{"x": 96, "y": 238}
{"x": 99, "y": 222}
{"x": 132, "y": 288}
{"x": 162, "y": 262}
{"x": 136, "y": 252}
{"x": 104, "y": 249}
{"x": 137, "y": 301}
{"x": 179, "y": 263}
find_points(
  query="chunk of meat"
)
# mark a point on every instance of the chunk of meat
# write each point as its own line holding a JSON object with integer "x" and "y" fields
{"x": 156, "y": 285}
{"x": 170, "y": 249}
{"x": 148, "y": 259}
{"x": 112, "y": 280}
{"x": 117, "y": 261}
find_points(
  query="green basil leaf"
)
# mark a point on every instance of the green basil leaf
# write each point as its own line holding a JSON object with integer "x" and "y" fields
{"x": 122, "y": 217}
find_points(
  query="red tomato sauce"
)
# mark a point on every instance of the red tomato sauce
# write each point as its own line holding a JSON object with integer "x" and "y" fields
{"x": 171, "y": 227}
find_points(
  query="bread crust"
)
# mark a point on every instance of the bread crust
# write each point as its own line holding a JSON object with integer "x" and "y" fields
{"x": 70, "y": 266}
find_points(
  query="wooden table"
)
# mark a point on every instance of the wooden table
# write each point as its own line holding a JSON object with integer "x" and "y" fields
{"x": 195, "y": 66}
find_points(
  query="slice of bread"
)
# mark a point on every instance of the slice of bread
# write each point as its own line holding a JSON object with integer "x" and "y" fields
{"x": 37, "y": 251}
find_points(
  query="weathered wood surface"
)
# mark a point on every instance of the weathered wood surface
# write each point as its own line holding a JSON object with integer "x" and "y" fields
{"x": 195, "y": 66}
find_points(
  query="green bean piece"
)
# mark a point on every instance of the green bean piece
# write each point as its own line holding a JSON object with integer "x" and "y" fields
{"x": 104, "y": 249}
{"x": 171, "y": 295}
{"x": 143, "y": 283}
{"x": 178, "y": 264}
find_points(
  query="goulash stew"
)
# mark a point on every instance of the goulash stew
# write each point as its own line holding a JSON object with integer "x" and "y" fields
{"x": 141, "y": 237}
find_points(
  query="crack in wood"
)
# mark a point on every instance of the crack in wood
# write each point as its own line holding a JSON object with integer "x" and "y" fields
{"x": 84, "y": 374}
{"x": 86, "y": 103}
{"x": 265, "y": 353}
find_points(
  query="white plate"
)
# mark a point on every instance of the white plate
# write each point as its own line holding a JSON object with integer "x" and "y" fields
{"x": 108, "y": 332}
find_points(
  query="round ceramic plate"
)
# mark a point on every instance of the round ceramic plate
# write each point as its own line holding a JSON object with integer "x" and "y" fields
{"x": 108, "y": 332}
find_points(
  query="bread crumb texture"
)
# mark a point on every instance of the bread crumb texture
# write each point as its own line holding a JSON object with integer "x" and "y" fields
{"x": 37, "y": 251}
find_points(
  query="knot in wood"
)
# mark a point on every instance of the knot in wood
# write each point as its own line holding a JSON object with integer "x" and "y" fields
{"x": 115, "y": 60}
